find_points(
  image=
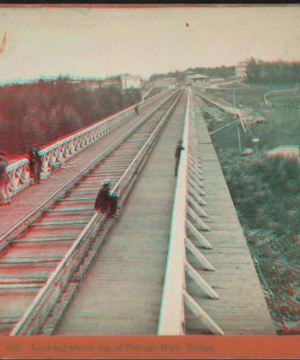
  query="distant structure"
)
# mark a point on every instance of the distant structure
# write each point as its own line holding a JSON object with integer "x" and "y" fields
{"x": 188, "y": 73}
{"x": 87, "y": 84}
{"x": 131, "y": 81}
{"x": 124, "y": 81}
{"x": 91, "y": 85}
{"x": 240, "y": 69}
{"x": 111, "y": 82}
{"x": 286, "y": 151}
{"x": 198, "y": 80}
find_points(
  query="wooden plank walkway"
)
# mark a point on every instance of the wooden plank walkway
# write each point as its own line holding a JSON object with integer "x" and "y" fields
{"x": 122, "y": 292}
{"x": 241, "y": 308}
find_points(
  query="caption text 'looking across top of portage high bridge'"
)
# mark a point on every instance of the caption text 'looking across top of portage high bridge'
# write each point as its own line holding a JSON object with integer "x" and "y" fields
{"x": 173, "y": 261}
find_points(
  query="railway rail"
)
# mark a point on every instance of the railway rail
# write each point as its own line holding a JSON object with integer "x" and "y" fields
{"x": 46, "y": 254}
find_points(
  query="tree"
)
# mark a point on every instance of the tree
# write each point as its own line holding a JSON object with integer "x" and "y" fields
{"x": 32, "y": 131}
{"x": 5, "y": 136}
{"x": 54, "y": 122}
{"x": 70, "y": 121}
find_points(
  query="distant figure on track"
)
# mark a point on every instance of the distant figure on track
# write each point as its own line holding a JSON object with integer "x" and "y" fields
{"x": 4, "y": 195}
{"x": 137, "y": 110}
{"x": 35, "y": 163}
{"x": 105, "y": 201}
{"x": 179, "y": 148}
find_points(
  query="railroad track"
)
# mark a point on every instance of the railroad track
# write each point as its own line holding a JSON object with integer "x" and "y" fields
{"x": 46, "y": 255}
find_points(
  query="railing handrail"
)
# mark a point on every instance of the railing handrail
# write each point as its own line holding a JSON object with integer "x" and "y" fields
{"x": 171, "y": 313}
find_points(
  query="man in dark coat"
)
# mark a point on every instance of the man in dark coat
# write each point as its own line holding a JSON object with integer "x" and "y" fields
{"x": 105, "y": 201}
{"x": 35, "y": 163}
{"x": 32, "y": 163}
{"x": 102, "y": 200}
{"x": 38, "y": 161}
{"x": 4, "y": 195}
{"x": 179, "y": 148}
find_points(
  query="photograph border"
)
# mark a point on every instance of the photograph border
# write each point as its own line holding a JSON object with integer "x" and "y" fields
{"x": 140, "y": 346}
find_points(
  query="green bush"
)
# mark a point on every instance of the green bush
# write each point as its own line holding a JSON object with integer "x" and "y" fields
{"x": 264, "y": 190}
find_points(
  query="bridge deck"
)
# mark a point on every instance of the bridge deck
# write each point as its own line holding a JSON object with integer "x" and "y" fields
{"x": 241, "y": 308}
{"x": 122, "y": 293}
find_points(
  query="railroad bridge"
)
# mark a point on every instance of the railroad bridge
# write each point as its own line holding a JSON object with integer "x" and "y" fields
{"x": 174, "y": 261}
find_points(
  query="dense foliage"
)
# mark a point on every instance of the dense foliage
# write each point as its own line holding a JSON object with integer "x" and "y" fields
{"x": 266, "y": 193}
{"x": 265, "y": 190}
{"x": 278, "y": 72}
{"x": 44, "y": 111}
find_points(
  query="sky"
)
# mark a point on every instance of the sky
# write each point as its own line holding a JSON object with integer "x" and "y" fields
{"x": 103, "y": 41}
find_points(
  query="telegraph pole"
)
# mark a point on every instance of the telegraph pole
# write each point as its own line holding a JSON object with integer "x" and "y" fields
{"x": 233, "y": 98}
{"x": 239, "y": 139}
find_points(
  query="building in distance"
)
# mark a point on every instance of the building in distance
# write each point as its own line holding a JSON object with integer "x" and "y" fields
{"x": 131, "y": 81}
{"x": 111, "y": 82}
{"x": 198, "y": 80}
{"x": 124, "y": 82}
{"x": 240, "y": 69}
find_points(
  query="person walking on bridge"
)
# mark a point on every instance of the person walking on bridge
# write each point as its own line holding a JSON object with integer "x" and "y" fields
{"x": 179, "y": 148}
{"x": 137, "y": 109}
{"x": 4, "y": 195}
{"x": 105, "y": 201}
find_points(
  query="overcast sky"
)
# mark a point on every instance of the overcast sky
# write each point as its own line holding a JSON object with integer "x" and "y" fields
{"x": 104, "y": 41}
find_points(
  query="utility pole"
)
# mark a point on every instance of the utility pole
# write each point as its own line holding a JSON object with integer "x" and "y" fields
{"x": 239, "y": 139}
{"x": 234, "y": 98}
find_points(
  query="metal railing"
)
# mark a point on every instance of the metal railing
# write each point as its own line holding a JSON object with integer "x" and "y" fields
{"x": 18, "y": 173}
{"x": 186, "y": 211}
